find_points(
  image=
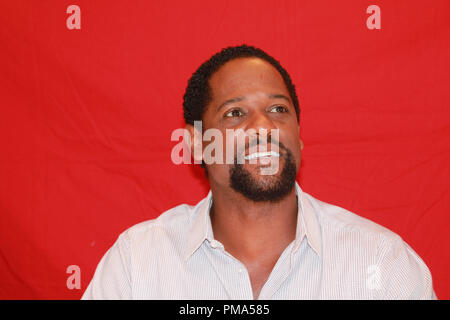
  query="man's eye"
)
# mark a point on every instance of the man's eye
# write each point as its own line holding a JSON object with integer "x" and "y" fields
{"x": 233, "y": 113}
{"x": 278, "y": 109}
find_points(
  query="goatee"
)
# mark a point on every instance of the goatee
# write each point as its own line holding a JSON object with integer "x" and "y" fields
{"x": 271, "y": 189}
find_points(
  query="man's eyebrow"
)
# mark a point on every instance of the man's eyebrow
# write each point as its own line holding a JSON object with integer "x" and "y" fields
{"x": 237, "y": 99}
{"x": 229, "y": 101}
{"x": 279, "y": 96}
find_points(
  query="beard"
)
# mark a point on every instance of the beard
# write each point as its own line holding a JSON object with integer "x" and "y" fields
{"x": 265, "y": 188}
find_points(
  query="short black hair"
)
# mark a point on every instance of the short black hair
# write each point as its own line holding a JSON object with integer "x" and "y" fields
{"x": 198, "y": 91}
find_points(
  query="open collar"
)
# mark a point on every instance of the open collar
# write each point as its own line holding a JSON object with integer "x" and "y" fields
{"x": 307, "y": 224}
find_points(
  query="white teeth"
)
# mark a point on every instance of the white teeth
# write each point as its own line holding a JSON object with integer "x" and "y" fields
{"x": 261, "y": 154}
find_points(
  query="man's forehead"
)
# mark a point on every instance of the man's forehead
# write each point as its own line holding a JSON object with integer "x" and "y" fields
{"x": 243, "y": 74}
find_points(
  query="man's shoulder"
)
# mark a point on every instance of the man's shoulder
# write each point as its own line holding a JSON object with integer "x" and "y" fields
{"x": 339, "y": 219}
{"x": 404, "y": 275}
{"x": 172, "y": 221}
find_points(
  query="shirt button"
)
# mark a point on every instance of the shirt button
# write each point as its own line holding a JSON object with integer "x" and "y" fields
{"x": 240, "y": 270}
{"x": 214, "y": 244}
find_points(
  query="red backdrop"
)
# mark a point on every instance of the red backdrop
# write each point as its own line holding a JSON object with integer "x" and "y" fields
{"x": 86, "y": 119}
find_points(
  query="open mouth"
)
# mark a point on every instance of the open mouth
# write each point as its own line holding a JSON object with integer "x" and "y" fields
{"x": 258, "y": 155}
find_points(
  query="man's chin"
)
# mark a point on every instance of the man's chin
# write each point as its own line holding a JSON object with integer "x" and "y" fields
{"x": 256, "y": 173}
{"x": 257, "y": 183}
{"x": 260, "y": 188}
{"x": 266, "y": 185}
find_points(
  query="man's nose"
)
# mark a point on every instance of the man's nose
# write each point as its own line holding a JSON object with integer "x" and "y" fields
{"x": 260, "y": 120}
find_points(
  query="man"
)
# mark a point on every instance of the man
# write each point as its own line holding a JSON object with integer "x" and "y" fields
{"x": 256, "y": 236}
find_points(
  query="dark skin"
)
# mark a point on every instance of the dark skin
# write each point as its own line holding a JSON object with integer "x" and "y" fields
{"x": 255, "y": 233}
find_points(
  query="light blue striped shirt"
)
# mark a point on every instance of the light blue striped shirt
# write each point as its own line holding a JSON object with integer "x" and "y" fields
{"x": 336, "y": 255}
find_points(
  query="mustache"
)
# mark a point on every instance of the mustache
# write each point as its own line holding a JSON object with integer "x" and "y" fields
{"x": 256, "y": 142}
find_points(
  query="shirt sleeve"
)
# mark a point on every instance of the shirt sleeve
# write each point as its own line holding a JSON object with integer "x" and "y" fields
{"x": 112, "y": 279}
{"x": 404, "y": 274}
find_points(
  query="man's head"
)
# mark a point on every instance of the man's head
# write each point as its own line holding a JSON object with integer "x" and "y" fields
{"x": 244, "y": 88}
{"x": 198, "y": 92}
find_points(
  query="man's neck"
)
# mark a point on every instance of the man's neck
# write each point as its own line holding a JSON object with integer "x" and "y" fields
{"x": 250, "y": 230}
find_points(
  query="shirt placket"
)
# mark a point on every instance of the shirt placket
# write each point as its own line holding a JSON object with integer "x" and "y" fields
{"x": 279, "y": 274}
{"x": 231, "y": 272}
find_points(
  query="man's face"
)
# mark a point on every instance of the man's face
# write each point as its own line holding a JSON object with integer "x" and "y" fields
{"x": 249, "y": 93}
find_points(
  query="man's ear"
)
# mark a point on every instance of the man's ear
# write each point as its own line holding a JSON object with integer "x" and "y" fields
{"x": 301, "y": 144}
{"x": 194, "y": 141}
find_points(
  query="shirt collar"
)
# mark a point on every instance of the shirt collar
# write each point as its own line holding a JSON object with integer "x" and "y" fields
{"x": 201, "y": 228}
{"x": 307, "y": 224}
